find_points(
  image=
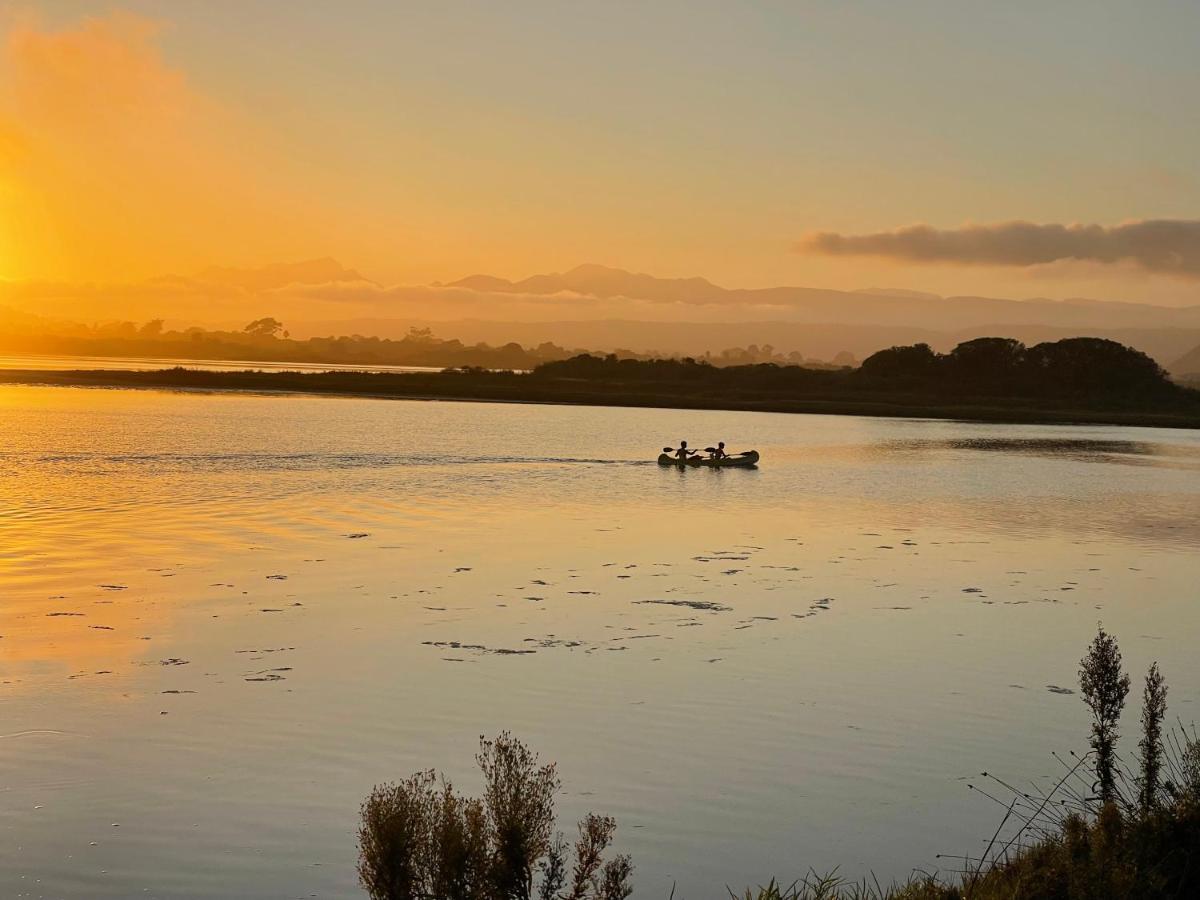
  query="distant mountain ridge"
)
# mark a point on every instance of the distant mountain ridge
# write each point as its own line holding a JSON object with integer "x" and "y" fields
{"x": 874, "y": 306}
{"x": 604, "y": 282}
{"x": 1187, "y": 366}
{"x": 600, "y": 307}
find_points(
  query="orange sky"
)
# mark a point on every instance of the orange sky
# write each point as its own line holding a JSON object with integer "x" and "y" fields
{"x": 118, "y": 169}
{"x": 418, "y": 146}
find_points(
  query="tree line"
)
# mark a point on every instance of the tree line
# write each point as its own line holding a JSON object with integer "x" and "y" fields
{"x": 267, "y": 339}
{"x": 1083, "y": 369}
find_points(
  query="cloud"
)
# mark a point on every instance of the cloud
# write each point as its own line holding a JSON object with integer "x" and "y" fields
{"x": 104, "y": 71}
{"x": 1166, "y": 246}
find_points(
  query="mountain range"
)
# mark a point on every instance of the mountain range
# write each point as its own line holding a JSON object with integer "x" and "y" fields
{"x": 874, "y": 306}
{"x": 607, "y": 308}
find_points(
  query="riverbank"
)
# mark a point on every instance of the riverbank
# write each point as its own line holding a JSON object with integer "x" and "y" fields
{"x": 504, "y": 387}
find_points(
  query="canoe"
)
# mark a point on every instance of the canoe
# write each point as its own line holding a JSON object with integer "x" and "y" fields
{"x": 746, "y": 460}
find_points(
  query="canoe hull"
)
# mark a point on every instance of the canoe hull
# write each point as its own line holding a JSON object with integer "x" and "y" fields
{"x": 747, "y": 460}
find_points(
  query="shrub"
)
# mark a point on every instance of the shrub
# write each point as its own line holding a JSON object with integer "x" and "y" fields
{"x": 420, "y": 840}
{"x": 1104, "y": 687}
{"x": 1154, "y": 710}
{"x": 394, "y": 840}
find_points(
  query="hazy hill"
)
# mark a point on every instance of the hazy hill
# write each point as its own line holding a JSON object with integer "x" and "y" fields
{"x": 872, "y": 307}
{"x": 1187, "y": 366}
{"x": 603, "y": 308}
{"x": 604, "y": 282}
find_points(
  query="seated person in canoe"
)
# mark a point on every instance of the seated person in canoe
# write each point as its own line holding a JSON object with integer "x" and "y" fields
{"x": 683, "y": 452}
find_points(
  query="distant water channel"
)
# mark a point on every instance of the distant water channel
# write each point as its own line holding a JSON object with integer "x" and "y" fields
{"x": 40, "y": 363}
{"x": 224, "y": 617}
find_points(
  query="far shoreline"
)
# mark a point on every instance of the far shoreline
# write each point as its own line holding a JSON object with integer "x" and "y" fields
{"x": 490, "y": 388}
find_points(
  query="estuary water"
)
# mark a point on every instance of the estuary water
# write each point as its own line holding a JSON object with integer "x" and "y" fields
{"x": 224, "y": 617}
{"x": 51, "y": 363}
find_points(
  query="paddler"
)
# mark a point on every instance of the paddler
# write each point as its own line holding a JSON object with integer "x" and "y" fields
{"x": 683, "y": 452}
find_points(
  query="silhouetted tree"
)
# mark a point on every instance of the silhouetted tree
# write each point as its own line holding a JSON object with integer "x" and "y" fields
{"x": 917, "y": 361}
{"x": 1154, "y": 710}
{"x": 267, "y": 327}
{"x": 1094, "y": 365}
{"x": 989, "y": 361}
{"x": 1104, "y": 687}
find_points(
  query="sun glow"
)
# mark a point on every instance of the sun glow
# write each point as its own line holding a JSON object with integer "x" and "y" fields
{"x": 135, "y": 148}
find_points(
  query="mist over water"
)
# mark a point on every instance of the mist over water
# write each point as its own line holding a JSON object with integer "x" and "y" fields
{"x": 224, "y": 618}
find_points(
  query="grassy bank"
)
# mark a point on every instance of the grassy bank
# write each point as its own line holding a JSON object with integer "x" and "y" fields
{"x": 827, "y": 396}
{"x": 1105, "y": 830}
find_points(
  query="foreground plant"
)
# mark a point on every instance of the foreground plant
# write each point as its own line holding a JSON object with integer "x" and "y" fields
{"x": 420, "y": 840}
{"x": 1154, "y": 710}
{"x": 1104, "y": 687}
{"x": 1120, "y": 835}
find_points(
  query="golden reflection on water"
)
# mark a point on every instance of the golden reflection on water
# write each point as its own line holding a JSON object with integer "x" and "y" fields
{"x": 101, "y": 486}
{"x": 325, "y": 593}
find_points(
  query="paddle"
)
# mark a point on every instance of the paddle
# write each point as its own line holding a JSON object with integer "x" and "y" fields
{"x": 714, "y": 450}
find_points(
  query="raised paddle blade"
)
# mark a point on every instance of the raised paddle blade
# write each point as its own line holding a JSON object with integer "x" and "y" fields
{"x": 668, "y": 449}
{"x": 710, "y": 449}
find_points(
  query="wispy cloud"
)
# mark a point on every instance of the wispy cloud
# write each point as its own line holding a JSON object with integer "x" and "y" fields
{"x": 1169, "y": 246}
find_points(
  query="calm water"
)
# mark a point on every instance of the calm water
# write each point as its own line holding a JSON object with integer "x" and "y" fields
{"x": 224, "y": 618}
{"x": 49, "y": 363}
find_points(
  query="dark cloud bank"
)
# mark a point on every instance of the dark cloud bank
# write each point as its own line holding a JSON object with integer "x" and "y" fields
{"x": 1170, "y": 246}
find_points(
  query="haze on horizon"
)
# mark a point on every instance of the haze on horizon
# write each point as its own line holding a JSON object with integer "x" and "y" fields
{"x": 952, "y": 148}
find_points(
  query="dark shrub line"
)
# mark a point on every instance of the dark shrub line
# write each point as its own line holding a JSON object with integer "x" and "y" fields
{"x": 1081, "y": 369}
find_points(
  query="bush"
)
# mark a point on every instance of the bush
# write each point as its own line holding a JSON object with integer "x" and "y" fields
{"x": 420, "y": 840}
{"x": 1104, "y": 688}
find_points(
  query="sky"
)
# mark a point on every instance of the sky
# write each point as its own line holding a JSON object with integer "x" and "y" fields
{"x": 1019, "y": 149}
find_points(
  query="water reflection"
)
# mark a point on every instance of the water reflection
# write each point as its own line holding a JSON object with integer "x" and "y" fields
{"x": 1097, "y": 450}
{"x": 268, "y": 576}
